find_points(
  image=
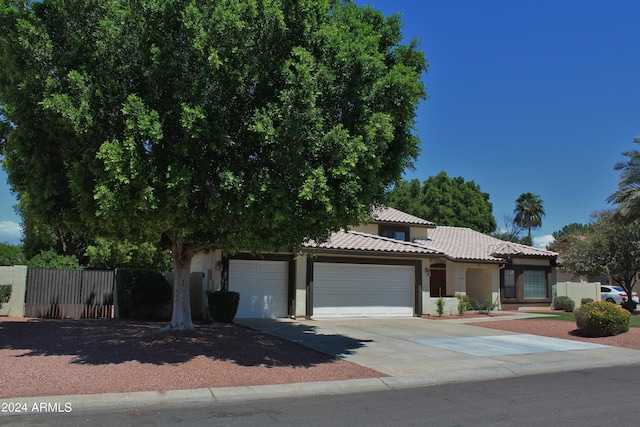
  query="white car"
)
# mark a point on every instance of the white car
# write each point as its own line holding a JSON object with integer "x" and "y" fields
{"x": 616, "y": 294}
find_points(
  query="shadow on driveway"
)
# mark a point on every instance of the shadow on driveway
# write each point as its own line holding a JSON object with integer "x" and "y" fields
{"x": 115, "y": 341}
{"x": 334, "y": 345}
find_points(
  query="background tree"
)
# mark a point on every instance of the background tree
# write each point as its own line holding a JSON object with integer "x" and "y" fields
{"x": 41, "y": 239}
{"x": 529, "y": 212}
{"x": 407, "y": 196}
{"x": 52, "y": 259}
{"x": 511, "y": 231}
{"x": 609, "y": 246}
{"x": 627, "y": 196}
{"x": 571, "y": 229}
{"x": 226, "y": 125}
{"x": 11, "y": 255}
{"x": 445, "y": 201}
{"x": 566, "y": 237}
{"x": 39, "y": 236}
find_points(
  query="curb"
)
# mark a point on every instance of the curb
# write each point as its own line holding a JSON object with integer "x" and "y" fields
{"x": 203, "y": 396}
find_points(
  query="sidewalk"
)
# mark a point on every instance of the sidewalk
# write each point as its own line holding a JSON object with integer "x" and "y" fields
{"x": 413, "y": 352}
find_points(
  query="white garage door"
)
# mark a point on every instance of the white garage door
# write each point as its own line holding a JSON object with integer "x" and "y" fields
{"x": 262, "y": 286}
{"x": 362, "y": 290}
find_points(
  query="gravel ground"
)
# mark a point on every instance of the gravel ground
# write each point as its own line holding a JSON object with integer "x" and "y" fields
{"x": 565, "y": 330}
{"x": 46, "y": 357}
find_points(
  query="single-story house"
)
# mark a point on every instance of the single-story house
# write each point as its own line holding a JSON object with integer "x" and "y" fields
{"x": 397, "y": 265}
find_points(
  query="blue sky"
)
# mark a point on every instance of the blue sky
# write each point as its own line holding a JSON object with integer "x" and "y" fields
{"x": 524, "y": 96}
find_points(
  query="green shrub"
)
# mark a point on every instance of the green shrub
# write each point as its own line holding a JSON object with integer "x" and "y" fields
{"x": 223, "y": 305}
{"x": 464, "y": 304}
{"x": 440, "y": 306}
{"x": 564, "y": 303}
{"x": 585, "y": 300}
{"x": 142, "y": 293}
{"x": 485, "y": 307}
{"x": 602, "y": 319}
{"x": 5, "y": 294}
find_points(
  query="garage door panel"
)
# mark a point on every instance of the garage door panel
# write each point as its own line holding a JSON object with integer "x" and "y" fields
{"x": 357, "y": 290}
{"x": 262, "y": 286}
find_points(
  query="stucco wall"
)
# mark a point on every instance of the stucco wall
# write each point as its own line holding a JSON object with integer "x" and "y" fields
{"x": 16, "y": 277}
{"x": 450, "y": 306}
{"x": 418, "y": 233}
{"x": 367, "y": 228}
{"x": 207, "y": 263}
{"x": 479, "y": 284}
{"x": 301, "y": 286}
{"x": 577, "y": 290}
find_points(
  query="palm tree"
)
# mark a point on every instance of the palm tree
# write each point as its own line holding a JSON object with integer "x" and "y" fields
{"x": 627, "y": 196}
{"x": 529, "y": 212}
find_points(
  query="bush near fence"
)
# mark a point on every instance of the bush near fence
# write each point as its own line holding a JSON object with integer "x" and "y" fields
{"x": 142, "y": 293}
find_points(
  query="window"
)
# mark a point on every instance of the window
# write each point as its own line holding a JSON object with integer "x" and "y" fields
{"x": 509, "y": 284}
{"x": 535, "y": 284}
{"x": 397, "y": 233}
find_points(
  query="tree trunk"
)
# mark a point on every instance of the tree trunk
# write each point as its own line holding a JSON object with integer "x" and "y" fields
{"x": 627, "y": 284}
{"x": 181, "y": 255}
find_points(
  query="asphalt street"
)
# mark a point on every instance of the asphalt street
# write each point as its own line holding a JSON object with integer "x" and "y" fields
{"x": 594, "y": 397}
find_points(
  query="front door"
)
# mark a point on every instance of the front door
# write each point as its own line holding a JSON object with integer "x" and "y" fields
{"x": 438, "y": 286}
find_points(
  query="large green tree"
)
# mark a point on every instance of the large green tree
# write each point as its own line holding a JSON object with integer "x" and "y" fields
{"x": 445, "y": 201}
{"x": 608, "y": 246}
{"x": 233, "y": 125}
{"x": 529, "y": 212}
{"x": 627, "y": 196}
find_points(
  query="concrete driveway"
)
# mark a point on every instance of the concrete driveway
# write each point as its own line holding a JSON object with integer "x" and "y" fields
{"x": 441, "y": 350}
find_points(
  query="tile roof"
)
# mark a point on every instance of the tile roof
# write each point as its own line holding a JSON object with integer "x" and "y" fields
{"x": 357, "y": 241}
{"x": 455, "y": 243}
{"x": 466, "y": 244}
{"x": 394, "y": 216}
{"x": 507, "y": 249}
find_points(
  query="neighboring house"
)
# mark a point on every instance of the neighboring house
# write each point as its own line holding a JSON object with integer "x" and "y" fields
{"x": 397, "y": 265}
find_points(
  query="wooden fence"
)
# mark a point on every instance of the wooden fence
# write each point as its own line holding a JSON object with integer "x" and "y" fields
{"x": 69, "y": 293}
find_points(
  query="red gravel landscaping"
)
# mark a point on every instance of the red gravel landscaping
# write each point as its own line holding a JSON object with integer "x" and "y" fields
{"x": 47, "y": 357}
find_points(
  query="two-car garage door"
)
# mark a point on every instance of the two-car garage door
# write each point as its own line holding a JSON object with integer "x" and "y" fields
{"x": 339, "y": 289}
{"x": 362, "y": 290}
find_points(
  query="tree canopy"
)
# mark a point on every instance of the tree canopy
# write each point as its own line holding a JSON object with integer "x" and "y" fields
{"x": 236, "y": 125}
{"x": 627, "y": 196}
{"x": 608, "y": 246}
{"x": 571, "y": 229}
{"x": 445, "y": 201}
{"x": 567, "y": 236}
{"x": 529, "y": 212}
